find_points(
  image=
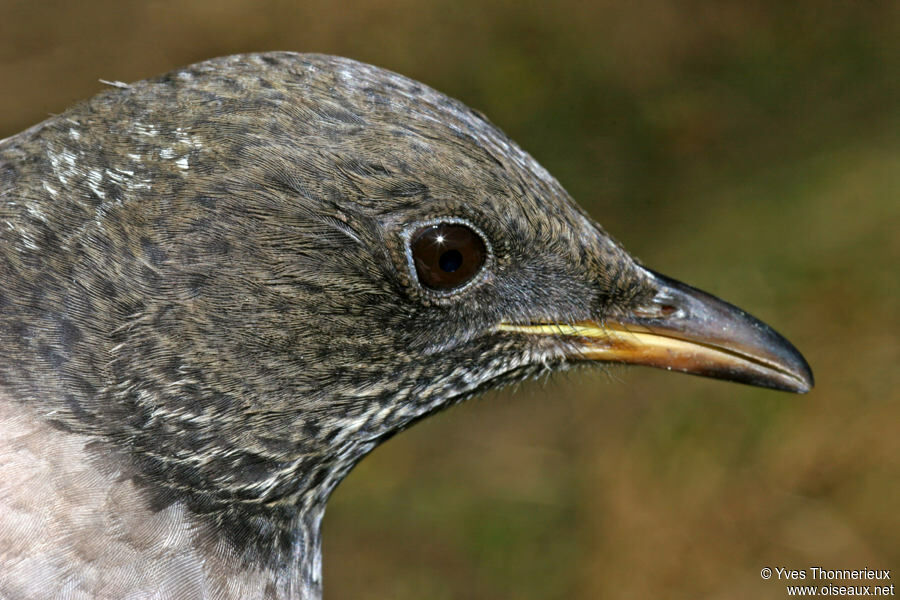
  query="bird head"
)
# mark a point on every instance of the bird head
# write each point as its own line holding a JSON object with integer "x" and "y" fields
{"x": 262, "y": 266}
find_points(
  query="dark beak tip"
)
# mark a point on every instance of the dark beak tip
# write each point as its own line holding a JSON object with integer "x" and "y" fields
{"x": 806, "y": 380}
{"x": 796, "y": 369}
{"x": 793, "y": 385}
{"x": 762, "y": 356}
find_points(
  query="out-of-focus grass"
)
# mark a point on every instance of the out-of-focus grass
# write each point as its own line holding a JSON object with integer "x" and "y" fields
{"x": 751, "y": 149}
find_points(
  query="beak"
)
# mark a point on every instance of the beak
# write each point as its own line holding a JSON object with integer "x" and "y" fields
{"x": 685, "y": 329}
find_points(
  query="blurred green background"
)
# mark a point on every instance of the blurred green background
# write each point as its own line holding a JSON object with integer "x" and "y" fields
{"x": 749, "y": 148}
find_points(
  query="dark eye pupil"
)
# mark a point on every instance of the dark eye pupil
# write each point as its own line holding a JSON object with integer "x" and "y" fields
{"x": 447, "y": 255}
{"x": 450, "y": 260}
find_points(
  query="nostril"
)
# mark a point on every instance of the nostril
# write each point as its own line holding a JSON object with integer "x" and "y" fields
{"x": 655, "y": 311}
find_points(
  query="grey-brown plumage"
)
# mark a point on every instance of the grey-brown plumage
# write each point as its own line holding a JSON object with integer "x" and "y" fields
{"x": 211, "y": 309}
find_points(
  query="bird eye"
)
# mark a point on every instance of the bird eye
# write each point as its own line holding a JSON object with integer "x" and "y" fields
{"x": 447, "y": 255}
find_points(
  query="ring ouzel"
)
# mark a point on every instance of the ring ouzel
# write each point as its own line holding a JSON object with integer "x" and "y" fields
{"x": 223, "y": 287}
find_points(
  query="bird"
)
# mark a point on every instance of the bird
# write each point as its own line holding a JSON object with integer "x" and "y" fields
{"x": 224, "y": 286}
